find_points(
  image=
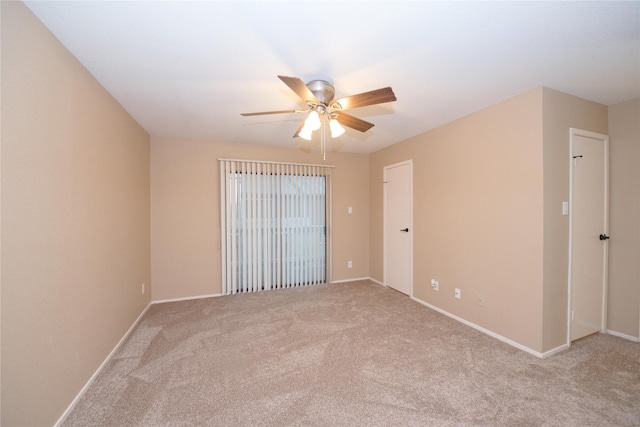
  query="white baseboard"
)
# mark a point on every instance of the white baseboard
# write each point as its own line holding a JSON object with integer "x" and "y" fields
{"x": 375, "y": 281}
{"x": 359, "y": 279}
{"x": 102, "y": 365}
{"x": 491, "y": 333}
{"x": 621, "y": 335}
{"x": 554, "y": 351}
{"x": 349, "y": 280}
{"x": 162, "y": 301}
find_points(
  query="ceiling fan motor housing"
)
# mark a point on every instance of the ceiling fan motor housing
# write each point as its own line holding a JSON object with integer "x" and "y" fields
{"x": 323, "y": 91}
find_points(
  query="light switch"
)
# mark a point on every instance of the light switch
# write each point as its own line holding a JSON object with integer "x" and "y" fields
{"x": 349, "y": 209}
{"x": 565, "y": 208}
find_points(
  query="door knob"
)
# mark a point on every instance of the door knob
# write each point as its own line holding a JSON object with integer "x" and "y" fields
{"x": 604, "y": 237}
{"x": 406, "y": 230}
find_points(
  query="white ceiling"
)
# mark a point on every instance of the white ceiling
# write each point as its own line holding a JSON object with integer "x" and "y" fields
{"x": 188, "y": 69}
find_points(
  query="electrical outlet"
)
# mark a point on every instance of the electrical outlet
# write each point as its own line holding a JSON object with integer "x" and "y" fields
{"x": 457, "y": 293}
{"x": 434, "y": 284}
{"x": 142, "y": 288}
{"x": 349, "y": 264}
{"x": 481, "y": 300}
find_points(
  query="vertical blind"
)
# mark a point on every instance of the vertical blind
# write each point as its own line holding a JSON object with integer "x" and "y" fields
{"x": 275, "y": 225}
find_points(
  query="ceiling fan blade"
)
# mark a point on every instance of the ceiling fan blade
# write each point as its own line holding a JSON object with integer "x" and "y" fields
{"x": 353, "y": 122}
{"x": 373, "y": 97}
{"x": 298, "y": 86}
{"x": 262, "y": 113}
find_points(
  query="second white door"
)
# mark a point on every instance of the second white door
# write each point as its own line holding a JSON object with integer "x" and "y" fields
{"x": 398, "y": 227}
{"x": 588, "y": 233}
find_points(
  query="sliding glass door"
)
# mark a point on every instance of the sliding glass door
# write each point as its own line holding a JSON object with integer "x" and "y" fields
{"x": 275, "y": 223}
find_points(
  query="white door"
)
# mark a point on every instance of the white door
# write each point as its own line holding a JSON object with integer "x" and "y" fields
{"x": 588, "y": 233}
{"x": 398, "y": 227}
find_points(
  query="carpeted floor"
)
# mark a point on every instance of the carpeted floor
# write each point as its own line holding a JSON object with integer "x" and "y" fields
{"x": 354, "y": 354}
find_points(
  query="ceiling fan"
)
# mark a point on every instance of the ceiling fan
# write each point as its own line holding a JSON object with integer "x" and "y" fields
{"x": 323, "y": 109}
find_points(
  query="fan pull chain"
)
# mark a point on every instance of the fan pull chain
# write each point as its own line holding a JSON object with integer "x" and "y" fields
{"x": 323, "y": 146}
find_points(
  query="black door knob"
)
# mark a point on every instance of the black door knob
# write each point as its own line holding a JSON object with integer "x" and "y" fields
{"x": 406, "y": 230}
{"x": 603, "y": 237}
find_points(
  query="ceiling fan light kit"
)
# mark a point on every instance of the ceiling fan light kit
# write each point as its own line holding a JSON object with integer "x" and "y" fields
{"x": 323, "y": 109}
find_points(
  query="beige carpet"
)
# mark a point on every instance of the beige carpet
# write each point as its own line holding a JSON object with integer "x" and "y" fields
{"x": 355, "y": 354}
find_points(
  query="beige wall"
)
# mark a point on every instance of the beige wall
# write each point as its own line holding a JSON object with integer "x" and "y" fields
{"x": 185, "y": 212}
{"x": 624, "y": 218}
{"x": 488, "y": 193}
{"x": 478, "y": 190}
{"x": 75, "y": 222}
{"x": 561, "y": 112}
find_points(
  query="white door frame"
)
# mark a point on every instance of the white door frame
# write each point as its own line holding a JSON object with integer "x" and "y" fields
{"x": 384, "y": 221}
{"x": 605, "y": 138}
